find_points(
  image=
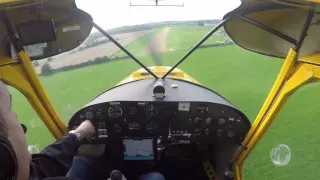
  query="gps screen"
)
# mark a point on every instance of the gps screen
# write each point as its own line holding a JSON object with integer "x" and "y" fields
{"x": 141, "y": 149}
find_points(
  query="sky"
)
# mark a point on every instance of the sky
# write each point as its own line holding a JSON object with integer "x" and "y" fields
{"x": 115, "y": 13}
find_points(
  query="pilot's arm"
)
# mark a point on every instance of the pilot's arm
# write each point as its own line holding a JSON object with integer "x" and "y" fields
{"x": 56, "y": 159}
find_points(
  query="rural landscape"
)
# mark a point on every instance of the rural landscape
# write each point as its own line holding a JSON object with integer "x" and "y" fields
{"x": 244, "y": 78}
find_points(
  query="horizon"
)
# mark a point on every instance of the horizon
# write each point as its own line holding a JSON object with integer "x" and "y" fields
{"x": 163, "y": 21}
{"x": 112, "y": 14}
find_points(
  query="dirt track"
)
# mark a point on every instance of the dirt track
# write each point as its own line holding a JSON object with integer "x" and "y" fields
{"x": 159, "y": 42}
{"x": 106, "y": 49}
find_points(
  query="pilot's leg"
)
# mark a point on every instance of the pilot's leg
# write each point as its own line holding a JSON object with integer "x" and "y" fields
{"x": 82, "y": 167}
{"x": 152, "y": 176}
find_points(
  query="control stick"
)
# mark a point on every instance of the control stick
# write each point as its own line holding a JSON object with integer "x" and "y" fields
{"x": 116, "y": 175}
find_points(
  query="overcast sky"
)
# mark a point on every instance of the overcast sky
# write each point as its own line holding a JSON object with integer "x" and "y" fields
{"x": 114, "y": 13}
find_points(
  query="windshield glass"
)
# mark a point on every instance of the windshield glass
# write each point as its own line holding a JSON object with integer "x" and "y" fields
{"x": 161, "y": 36}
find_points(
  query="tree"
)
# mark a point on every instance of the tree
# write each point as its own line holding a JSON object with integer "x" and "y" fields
{"x": 35, "y": 63}
{"x": 46, "y": 69}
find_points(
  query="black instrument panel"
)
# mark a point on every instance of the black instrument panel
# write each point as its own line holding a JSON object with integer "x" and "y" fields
{"x": 175, "y": 122}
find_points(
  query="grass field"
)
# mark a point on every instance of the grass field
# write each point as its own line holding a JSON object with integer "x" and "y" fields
{"x": 242, "y": 77}
{"x": 185, "y": 37}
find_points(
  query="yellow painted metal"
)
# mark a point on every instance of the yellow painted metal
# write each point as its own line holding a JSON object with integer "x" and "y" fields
{"x": 285, "y": 70}
{"x": 313, "y": 1}
{"x": 23, "y": 77}
{"x": 314, "y": 59}
{"x": 15, "y": 76}
{"x": 4, "y": 60}
{"x": 208, "y": 168}
{"x": 305, "y": 4}
{"x": 8, "y": 1}
{"x": 293, "y": 75}
{"x": 159, "y": 71}
{"x": 40, "y": 92}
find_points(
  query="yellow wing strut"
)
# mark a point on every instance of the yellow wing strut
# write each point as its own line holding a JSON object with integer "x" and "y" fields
{"x": 22, "y": 76}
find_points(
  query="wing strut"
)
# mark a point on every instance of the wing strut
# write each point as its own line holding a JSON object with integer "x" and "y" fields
{"x": 196, "y": 46}
{"x": 124, "y": 49}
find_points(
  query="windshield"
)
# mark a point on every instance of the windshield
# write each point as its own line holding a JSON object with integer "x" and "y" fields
{"x": 161, "y": 36}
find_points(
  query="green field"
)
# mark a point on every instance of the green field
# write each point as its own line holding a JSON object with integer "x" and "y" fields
{"x": 242, "y": 77}
{"x": 179, "y": 38}
{"x": 184, "y": 37}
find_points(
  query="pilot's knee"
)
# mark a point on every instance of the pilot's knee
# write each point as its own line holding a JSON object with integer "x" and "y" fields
{"x": 152, "y": 176}
{"x": 90, "y": 161}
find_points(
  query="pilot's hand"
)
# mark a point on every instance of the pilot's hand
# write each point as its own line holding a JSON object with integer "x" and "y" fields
{"x": 86, "y": 129}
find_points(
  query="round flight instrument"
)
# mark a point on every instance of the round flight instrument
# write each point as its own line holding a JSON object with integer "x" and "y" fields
{"x": 133, "y": 110}
{"x": 115, "y": 111}
{"x": 152, "y": 110}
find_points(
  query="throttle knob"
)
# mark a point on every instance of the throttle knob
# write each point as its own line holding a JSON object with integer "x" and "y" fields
{"x": 116, "y": 175}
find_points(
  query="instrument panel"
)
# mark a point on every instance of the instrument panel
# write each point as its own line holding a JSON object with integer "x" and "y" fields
{"x": 173, "y": 122}
{"x": 186, "y": 122}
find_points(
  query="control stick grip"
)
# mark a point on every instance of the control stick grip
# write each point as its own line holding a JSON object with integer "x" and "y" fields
{"x": 116, "y": 175}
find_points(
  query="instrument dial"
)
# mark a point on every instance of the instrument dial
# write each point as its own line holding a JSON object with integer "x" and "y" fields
{"x": 221, "y": 120}
{"x": 133, "y": 110}
{"x": 99, "y": 113}
{"x": 197, "y": 120}
{"x": 152, "y": 111}
{"x": 115, "y": 111}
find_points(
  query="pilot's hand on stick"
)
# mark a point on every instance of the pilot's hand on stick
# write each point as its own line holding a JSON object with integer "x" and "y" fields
{"x": 86, "y": 129}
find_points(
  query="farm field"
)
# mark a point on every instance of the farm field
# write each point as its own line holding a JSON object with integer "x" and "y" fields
{"x": 243, "y": 77}
{"x": 106, "y": 49}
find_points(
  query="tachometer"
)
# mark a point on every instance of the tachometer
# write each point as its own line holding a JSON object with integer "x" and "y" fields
{"x": 115, "y": 111}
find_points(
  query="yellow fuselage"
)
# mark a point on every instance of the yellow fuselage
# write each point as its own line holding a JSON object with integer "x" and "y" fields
{"x": 159, "y": 71}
